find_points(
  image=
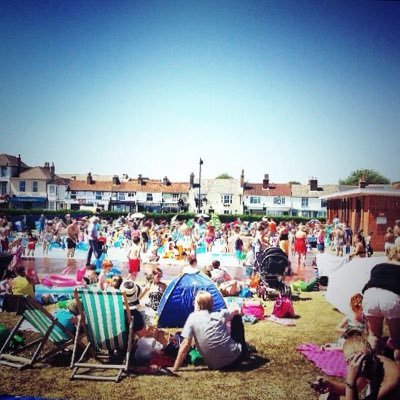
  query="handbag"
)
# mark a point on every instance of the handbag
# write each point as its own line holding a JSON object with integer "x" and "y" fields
{"x": 254, "y": 308}
{"x": 283, "y": 307}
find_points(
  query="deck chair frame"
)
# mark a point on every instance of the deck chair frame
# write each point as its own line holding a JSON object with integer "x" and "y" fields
{"x": 108, "y": 326}
{"x": 50, "y": 329}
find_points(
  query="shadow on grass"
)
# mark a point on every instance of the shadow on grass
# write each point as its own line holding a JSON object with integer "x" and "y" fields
{"x": 300, "y": 298}
{"x": 253, "y": 363}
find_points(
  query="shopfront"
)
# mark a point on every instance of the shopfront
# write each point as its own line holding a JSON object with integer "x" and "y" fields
{"x": 28, "y": 202}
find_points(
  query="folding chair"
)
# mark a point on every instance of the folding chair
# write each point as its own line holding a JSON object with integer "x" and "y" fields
{"x": 49, "y": 329}
{"x": 108, "y": 327}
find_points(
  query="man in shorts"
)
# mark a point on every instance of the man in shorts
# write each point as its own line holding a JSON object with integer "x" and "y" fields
{"x": 72, "y": 238}
{"x": 219, "y": 348}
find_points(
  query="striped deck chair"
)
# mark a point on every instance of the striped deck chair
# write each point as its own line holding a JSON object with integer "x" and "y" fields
{"x": 109, "y": 331}
{"x": 50, "y": 331}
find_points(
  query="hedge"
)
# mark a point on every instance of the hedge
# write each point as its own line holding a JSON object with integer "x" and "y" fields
{"x": 224, "y": 218}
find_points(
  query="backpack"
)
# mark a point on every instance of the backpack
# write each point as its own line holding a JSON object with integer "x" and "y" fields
{"x": 283, "y": 307}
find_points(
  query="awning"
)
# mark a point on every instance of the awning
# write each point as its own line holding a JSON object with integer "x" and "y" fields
{"x": 278, "y": 209}
{"x": 27, "y": 199}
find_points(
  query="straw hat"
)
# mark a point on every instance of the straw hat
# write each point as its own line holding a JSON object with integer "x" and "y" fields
{"x": 132, "y": 290}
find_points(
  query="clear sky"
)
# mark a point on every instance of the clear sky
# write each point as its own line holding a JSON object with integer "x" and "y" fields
{"x": 290, "y": 88}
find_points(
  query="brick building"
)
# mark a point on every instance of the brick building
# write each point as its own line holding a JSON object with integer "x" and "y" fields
{"x": 371, "y": 208}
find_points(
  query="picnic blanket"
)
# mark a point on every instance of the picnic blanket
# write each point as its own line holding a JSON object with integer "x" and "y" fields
{"x": 331, "y": 362}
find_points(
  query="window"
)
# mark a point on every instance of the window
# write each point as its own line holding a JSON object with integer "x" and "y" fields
{"x": 121, "y": 196}
{"x": 52, "y": 189}
{"x": 99, "y": 195}
{"x": 52, "y": 205}
{"x": 149, "y": 197}
{"x": 3, "y": 171}
{"x": 175, "y": 197}
{"x": 3, "y": 188}
{"x": 22, "y": 186}
{"x": 73, "y": 194}
{"x": 279, "y": 200}
{"x": 131, "y": 194}
{"x": 304, "y": 201}
{"x": 35, "y": 186}
{"x": 255, "y": 200}
{"x": 324, "y": 203}
{"x": 226, "y": 198}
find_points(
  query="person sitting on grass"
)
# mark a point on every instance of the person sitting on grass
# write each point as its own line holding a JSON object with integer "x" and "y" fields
{"x": 22, "y": 284}
{"x": 357, "y": 318}
{"x": 369, "y": 375}
{"x": 154, "y": 289}
{"x": 354, "y": 321}
{"x": 217, "y": 273}
{"x": 219, "y": 348}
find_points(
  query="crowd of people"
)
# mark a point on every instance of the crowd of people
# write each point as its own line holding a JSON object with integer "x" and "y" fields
{"x": 143, "y": 239}
{"x": 220, "y": 336}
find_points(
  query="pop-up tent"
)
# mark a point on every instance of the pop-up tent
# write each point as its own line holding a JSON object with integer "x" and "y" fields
{"x": 177, "y": 301}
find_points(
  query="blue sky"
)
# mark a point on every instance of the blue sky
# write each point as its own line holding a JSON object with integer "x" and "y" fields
{"x": 290, "y": 88}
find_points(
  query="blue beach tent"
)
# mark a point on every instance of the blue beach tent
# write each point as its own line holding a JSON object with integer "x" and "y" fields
{"x": 177, "y": 301}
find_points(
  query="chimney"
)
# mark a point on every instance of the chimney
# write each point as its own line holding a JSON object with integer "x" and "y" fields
{"x": 242, "y": 178}
{"x": 313, "y": 182}
{"x": 140, "y": 179}
{"x": 52, "y": 171}
{"x": 89, "y": 179}
{"x": 19, "y": 164}
{"x": 191, "y": 181}
{"x": 115, "y": 180}
{"x": 266, "y": 181}
{"x": 166, "y": 181}
{"x": 47, "y": 165}
{"x": 362, "y": 183}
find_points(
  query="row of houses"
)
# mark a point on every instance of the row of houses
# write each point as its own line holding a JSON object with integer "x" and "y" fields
{"x": 27, "y": 187}
{"x": 371, "y": 208}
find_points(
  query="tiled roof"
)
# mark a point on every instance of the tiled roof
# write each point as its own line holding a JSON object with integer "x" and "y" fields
{"x": 304, "y": 190}
{"x": 95, "y": 177}
{"x": 150, "y": 186}
{"x": 275, "y": 189}
{"x": 176, "y": 187}
{"x": 10, "y": 161}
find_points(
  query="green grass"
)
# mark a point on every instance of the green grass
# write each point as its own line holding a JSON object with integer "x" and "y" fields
{"x": 277, "y": 372}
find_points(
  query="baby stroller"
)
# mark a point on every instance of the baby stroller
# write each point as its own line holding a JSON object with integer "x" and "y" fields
{"x": 273, "y": 265}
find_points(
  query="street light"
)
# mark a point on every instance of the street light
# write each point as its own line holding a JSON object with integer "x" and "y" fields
{"x": 199, "y": 202}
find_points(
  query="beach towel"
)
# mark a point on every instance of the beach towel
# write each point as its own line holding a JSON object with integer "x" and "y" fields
{"x": 331, "y": 362}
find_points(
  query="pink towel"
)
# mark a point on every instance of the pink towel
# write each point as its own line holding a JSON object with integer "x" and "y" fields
{"x": 331, "y": 362}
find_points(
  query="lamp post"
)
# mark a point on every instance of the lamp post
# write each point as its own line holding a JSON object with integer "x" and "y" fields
{"x": 199, "y": 202}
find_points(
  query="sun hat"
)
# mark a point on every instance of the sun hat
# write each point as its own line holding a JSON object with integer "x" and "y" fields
{"x": 132, "y": 291}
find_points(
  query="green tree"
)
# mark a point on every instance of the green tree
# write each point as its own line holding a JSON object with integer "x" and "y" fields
{"x": 224, "y": 176}
{"x": 370, "y": 176}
